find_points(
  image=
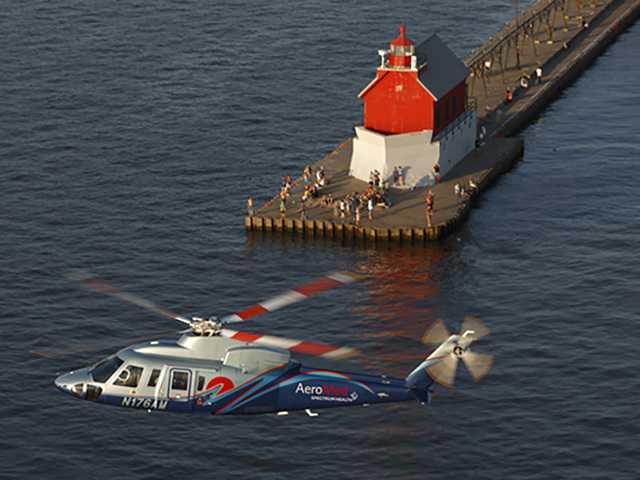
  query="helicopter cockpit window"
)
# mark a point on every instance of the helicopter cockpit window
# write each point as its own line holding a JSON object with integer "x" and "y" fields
{"x": 153, "y": 378}
{"x": 103, "y": 370}
{"x": 129, "y": 377}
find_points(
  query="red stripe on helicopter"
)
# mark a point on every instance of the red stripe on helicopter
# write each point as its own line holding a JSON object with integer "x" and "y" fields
{"x": 246, "y": 337}
{"x": 252, "y": 312}
{"x": 318, "y": 286}
{"x": 309, "y": 348}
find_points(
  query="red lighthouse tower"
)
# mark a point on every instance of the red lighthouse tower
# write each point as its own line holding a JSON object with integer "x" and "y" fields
{"x": 417, "y": 90}
{"x": 401, "y": 50}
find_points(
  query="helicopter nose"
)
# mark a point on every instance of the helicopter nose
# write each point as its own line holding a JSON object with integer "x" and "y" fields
{"x": 62, "y": 383}
{"x": 74, "y": 383}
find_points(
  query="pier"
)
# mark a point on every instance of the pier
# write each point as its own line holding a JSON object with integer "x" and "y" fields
{"x": 562, "y": 37}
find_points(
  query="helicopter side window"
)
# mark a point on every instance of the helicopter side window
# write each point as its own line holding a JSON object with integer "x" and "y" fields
{"x": 180, "y": 381}
{"x": 103, "y": 370}
{"x": 129, "y": 377}
{"x": 153, "y": 378}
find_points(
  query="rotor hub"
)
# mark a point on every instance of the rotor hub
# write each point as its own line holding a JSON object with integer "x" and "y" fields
{"x": 206, "y": 327}
{"x": 458, "y": 351}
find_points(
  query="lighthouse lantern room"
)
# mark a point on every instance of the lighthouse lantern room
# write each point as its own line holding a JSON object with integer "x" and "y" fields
{"x": 416, "y": 113}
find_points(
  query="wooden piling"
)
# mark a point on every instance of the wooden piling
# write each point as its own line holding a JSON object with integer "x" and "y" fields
{"x": 328, "y": 229}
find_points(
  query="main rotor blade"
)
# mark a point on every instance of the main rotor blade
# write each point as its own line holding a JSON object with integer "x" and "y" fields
{"x": 474, "y": 323}
{"x": 100, "y": 285}
{"x": 444, "y": 372}
{"x": 436, "y": 334}
{"x": 303, "y": 292}
{"x": 96, "y": 347}
{"x": 297, "y": 346}
{"x": 478, "y": 364}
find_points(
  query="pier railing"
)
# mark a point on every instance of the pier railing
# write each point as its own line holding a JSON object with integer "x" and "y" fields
{"x": 537, "y": 14}
{"x": 535, "y": 25}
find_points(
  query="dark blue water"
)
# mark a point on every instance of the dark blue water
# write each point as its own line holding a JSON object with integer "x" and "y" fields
{"x": 130, "y": 135}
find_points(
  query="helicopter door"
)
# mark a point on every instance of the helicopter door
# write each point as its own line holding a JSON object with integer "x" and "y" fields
{"x": 179, "y": 384}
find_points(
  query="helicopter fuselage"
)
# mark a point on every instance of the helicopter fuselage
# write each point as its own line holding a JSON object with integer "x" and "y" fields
{"x": 218, "y": 375}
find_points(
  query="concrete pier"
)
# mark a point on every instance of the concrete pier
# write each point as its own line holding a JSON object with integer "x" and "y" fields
{"x": 563, "y": 37}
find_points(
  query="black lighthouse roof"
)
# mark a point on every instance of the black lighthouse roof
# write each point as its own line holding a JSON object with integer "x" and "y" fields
{"x": 440, "y": 70}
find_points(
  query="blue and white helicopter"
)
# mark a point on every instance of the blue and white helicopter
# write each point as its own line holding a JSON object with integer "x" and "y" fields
{"x": 216, "y": 370}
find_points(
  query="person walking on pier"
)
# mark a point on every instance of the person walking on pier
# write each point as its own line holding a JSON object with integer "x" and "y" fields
{"x": 538, "y": 75}
{"x": 370, "y": 207}
{"x": 429, "y": 207}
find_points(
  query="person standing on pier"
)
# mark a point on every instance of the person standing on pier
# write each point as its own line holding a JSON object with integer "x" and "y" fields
{"x": 303, "y": 210}
{"x": 250, "y": 206}
{"x": 283, "y": 203}
{"x": 370, "y": 207}
{"x": 429, "y": 207}
{"x": 508, "y": 96}
{"x": 354, "y": 204}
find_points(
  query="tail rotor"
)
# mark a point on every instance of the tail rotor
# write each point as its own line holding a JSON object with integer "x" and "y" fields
{"x": 442, "y": 364}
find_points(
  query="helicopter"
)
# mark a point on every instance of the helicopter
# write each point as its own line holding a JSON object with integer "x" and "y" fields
{"x": 216, "y": 370}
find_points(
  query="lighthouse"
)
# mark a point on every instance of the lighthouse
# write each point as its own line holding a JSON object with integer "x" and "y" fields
{"x": 416, "y": 113}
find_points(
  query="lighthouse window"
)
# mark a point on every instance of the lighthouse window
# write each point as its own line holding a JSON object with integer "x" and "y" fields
{"x": 455, "y": 105}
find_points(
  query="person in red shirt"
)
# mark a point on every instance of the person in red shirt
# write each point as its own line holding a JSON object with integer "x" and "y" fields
{"x": 508, "y": 95}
